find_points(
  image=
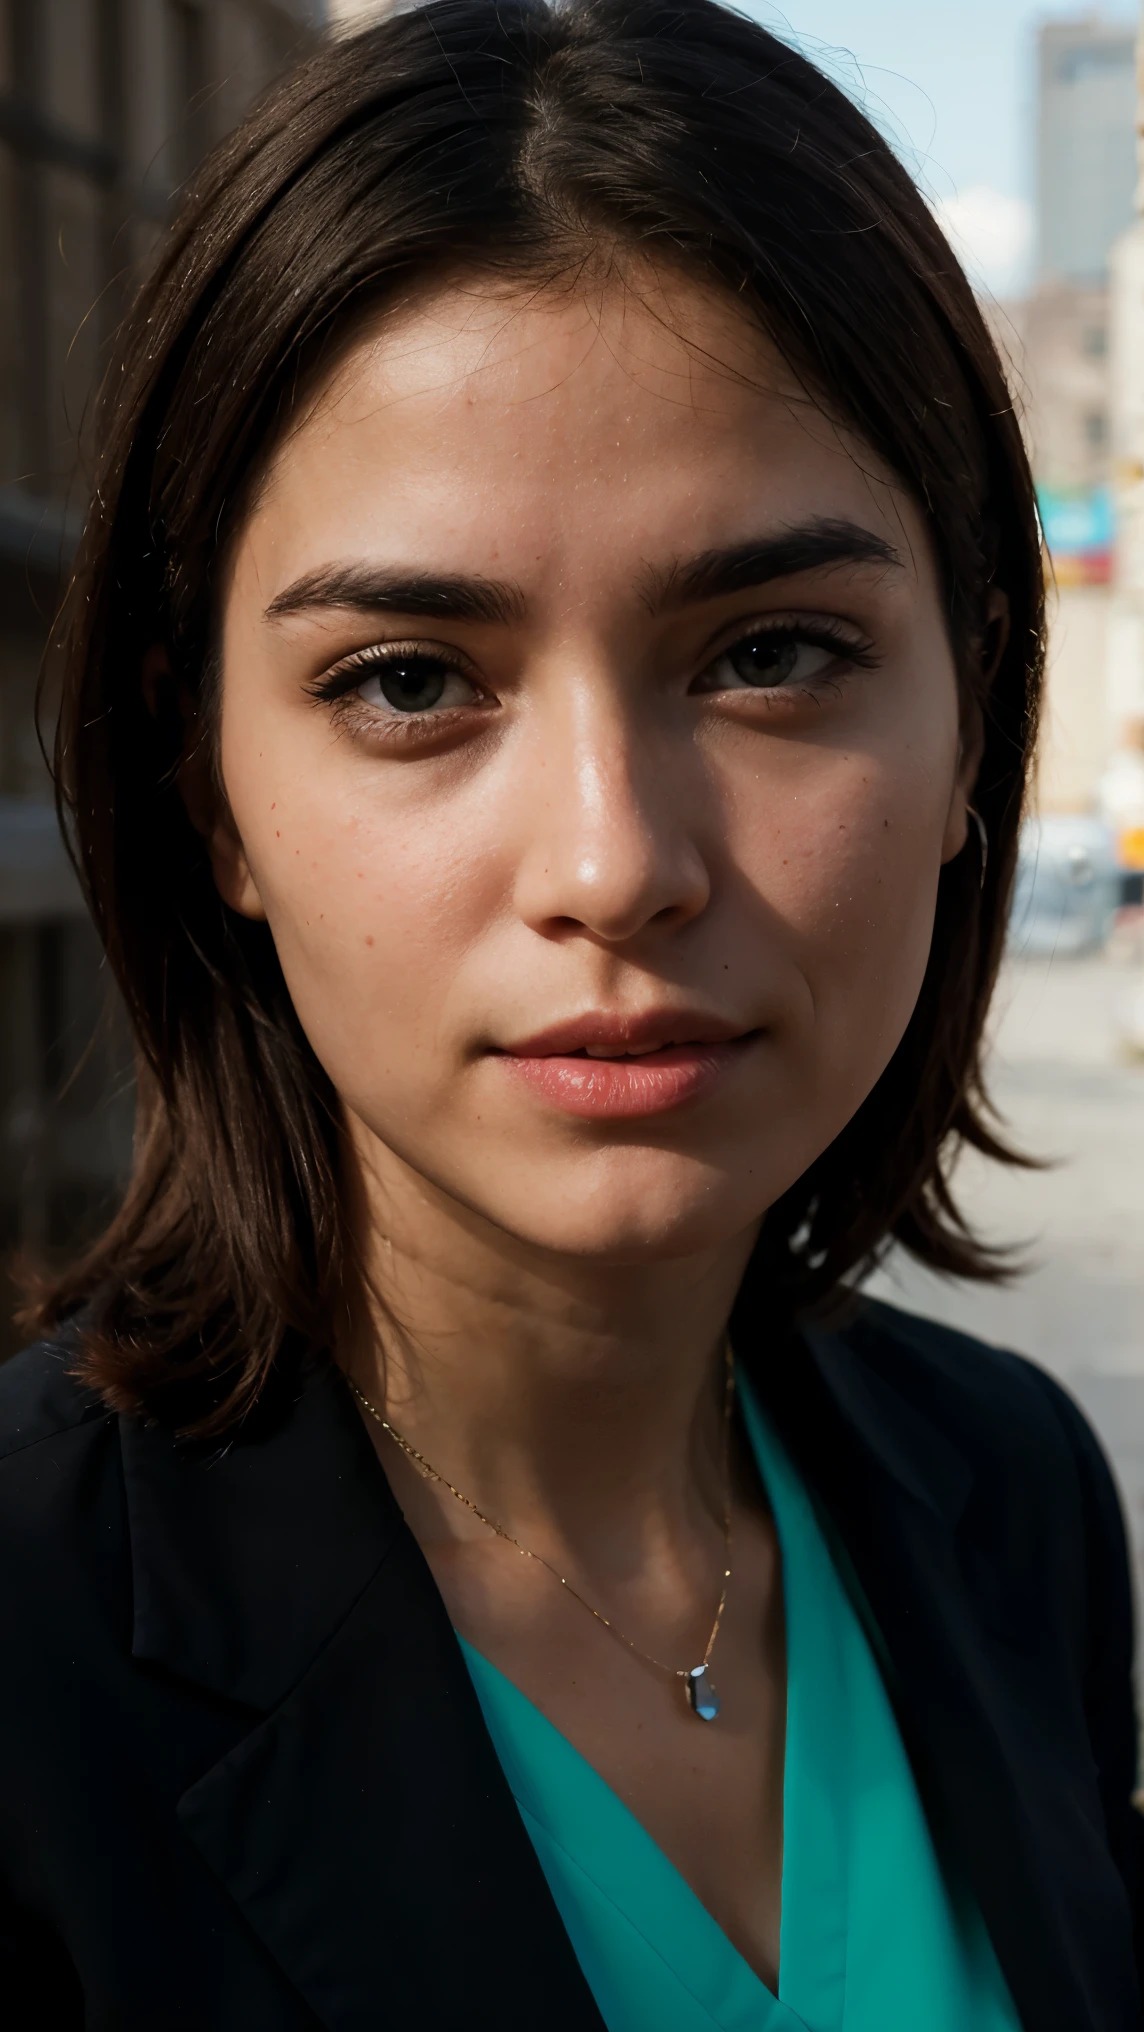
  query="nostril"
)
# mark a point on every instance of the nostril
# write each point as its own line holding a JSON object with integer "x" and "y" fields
{"x": 616, "y": 872}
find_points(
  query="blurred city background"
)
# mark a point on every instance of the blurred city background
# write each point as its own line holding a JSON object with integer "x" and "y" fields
{"x": 1022, "y": 127}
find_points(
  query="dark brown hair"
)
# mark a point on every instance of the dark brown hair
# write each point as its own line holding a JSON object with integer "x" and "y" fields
{"x": 519, "y": 137}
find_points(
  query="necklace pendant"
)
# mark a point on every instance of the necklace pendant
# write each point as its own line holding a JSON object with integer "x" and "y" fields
{"x": 702, "y": 1698}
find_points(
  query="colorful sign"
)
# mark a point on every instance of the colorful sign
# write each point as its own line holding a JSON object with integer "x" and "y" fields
{"x": 1078, "y": 529}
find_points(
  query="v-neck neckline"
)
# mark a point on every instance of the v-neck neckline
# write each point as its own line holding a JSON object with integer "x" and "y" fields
{"x": 577, "y": 1813}
{"x": 577, "y": 1821}
{"x": 857, "y": 1850}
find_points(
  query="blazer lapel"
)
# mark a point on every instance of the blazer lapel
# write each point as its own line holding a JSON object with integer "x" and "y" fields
{"x": 1003, "y": 1793}
{"x": 362, "y": 1821}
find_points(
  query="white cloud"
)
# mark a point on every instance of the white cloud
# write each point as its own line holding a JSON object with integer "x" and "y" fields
{"x": 992, "y": 234}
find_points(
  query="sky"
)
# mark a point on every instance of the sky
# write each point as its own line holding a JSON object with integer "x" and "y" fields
{"x": 952, "y": 83}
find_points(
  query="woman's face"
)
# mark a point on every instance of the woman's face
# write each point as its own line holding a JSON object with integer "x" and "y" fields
{"x": 591, "y": 741}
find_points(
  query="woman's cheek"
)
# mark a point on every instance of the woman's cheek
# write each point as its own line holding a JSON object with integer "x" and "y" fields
{"x": 842, "y": 843}
{"x": 371, "y": 924}
{"x": 847, "y": 871}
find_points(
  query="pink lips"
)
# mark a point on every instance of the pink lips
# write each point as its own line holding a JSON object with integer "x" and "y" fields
{"x": 639, "y": 1065}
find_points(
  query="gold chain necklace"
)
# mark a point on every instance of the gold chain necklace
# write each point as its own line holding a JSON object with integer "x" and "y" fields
{"x": 702, "y": 1698}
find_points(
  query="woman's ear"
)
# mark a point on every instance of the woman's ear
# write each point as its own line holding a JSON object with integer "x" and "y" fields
{"x": 994, "y": 637}
{"x": 203, "y": 797}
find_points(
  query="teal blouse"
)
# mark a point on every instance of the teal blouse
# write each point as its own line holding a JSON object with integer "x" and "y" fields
{"x": 874, "y": 1936}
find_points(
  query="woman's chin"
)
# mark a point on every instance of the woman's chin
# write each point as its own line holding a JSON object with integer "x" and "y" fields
{"x": 651, "y": 1215}
{"x": 613, "y": 1202}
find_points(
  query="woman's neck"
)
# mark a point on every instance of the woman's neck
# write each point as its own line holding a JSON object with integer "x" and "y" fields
{"x": 576, "y": 1402}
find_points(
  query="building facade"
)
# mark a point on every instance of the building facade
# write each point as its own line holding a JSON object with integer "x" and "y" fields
{"x": 1060, "y": 343}
{"x": 1086, "y": 146}
{"x": 1085, "y": 199}
{"x": 105, "y": 108}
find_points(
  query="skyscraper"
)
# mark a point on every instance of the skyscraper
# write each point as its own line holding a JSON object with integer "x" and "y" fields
{"x": 1086, "y": 146}
{"x": 1059, "y": 337}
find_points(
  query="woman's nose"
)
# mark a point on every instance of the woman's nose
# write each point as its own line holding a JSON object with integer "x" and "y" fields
{"x": 610, "y": 830}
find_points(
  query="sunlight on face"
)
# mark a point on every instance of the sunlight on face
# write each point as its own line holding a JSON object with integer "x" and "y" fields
{"x": 590, "y": 735}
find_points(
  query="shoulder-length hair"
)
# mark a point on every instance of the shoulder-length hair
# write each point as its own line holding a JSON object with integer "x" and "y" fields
{"x": 516, "y": 136}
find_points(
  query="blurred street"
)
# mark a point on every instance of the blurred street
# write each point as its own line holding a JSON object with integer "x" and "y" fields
{"x": 1068, "y": 1091}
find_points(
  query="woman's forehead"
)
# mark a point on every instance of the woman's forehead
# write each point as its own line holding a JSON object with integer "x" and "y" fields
{"x": 609, "y": 421}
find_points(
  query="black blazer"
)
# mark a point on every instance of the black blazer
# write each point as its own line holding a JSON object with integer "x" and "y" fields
{"x": 245, "y": 1784}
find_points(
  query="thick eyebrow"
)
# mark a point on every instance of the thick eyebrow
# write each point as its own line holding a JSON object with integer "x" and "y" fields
{"x": 809, "y": 546}
{"x": 453, "y": 596}
{"x": 374, "y": 589}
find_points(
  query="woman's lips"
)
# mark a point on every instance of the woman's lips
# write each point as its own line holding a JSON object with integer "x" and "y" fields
{"x": 577, "y": 1072}
{"x": 626, "y": 1087}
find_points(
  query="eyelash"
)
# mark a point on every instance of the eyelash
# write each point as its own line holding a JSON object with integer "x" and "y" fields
{"x": 337, "y": 686}
{"x": 353, "y": 670}
{"x": 857, "y": 652}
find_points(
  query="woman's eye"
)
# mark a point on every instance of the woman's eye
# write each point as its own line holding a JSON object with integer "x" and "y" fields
{"x": 770, "y": 660}
{"x": 414, "y": 684}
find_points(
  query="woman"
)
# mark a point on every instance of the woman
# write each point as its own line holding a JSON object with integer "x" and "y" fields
{"x": 547, "y": 692}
